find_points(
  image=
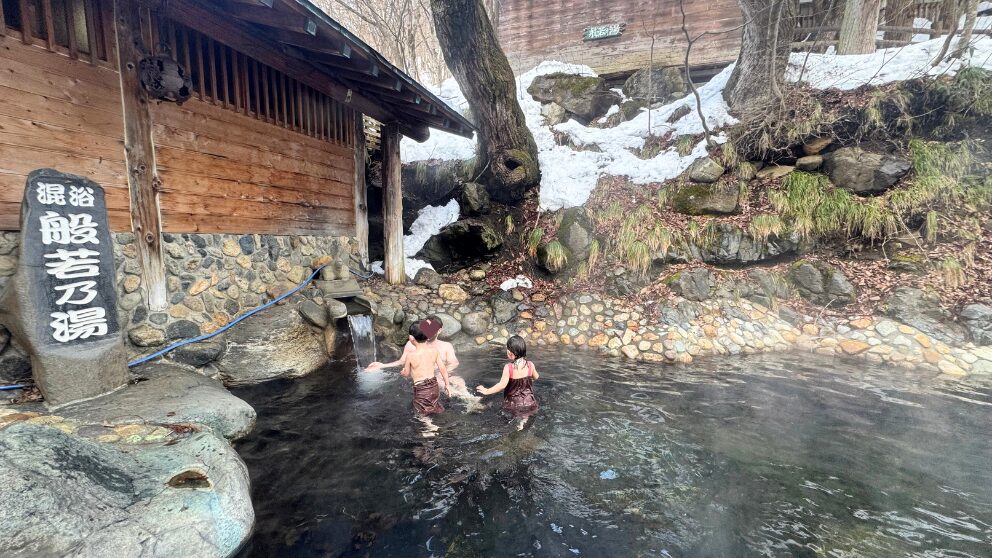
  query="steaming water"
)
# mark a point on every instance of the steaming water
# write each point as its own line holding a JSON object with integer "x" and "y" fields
{"x": 363, "y": 339}
{"x": 761, "y": 456}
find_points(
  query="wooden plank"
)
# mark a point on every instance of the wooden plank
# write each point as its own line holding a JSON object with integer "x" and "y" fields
{"x": 220, "y": 167}
{"x": 228, "y": 209}
{"x": 24, "y": 132}
{"x": 360, "y": 197}
{"x": 59, "y": 113}
{"x": 264, "y": 84}
{"x": 10, "y": 212}
{"x": 70, "y": 26}
{"x": 26, "y": 24}
{"x": 287, "y": 121}
{"x": 203, "y": 119}
{"x": 392, "y": 205}
{"x": 146, "y": 219}
{"x": 30, "y": 81}
{"x": 212, "y": 69}
{"x": 269, "y": 17}
{"x": 330, "y": 194}
{"x": 208, "y": 224}
{"x": 18, "y": 159}
{"x": 236, "y": 78}
{"x": 200, "y": 74}
{"x": 224, "y": 60}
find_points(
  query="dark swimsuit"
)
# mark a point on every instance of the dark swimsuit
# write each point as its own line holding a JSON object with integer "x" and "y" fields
{"x": 518, "y": 396}
{"x": 427, "y": 397}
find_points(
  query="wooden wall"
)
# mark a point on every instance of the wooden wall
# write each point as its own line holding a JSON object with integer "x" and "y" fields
{"x": 60, "y": 113}
{"x": 531, "y": 31}
{"x": 222, "y": 171}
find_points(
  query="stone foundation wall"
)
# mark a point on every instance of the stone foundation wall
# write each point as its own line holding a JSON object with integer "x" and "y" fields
{"x": 211, "y": 279}
{"x": 676, "y": 330}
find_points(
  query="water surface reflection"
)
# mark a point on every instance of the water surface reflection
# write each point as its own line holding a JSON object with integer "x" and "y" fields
{"x": 778, "y": 455}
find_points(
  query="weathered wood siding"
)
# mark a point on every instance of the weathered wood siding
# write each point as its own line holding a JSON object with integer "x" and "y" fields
{"x": 531, "y": 31}
{"x": 60, "y": 113}
{"x": 222, "y": 171}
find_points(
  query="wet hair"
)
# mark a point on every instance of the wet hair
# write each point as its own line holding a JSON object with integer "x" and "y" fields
{"x": 517, "y": 346}
{"x": 416, "y": 333}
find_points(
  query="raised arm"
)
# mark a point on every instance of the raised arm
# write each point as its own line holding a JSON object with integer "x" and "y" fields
{"x": 401, "y": 362}
{"x": 498, "y": 387}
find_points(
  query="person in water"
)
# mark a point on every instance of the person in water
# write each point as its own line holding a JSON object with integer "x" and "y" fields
{"x": 419, "y": 366}
{"x": 517, "y": 383}
{"x": 432, "y": 328}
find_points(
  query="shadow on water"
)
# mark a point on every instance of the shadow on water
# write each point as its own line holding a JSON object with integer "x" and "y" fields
{"x": 784, "y": 455}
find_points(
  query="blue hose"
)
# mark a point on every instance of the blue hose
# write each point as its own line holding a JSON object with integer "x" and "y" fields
{"x": 157, "y": 354}
{"x": 13, "y": 387}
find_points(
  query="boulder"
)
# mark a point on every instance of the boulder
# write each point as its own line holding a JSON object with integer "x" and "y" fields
{"x": 554, "y": 113}
{"x": 276, "y": 343}
{"x": 863, "y": 172}
{"x": 977, "y": 319}
{"x": 575, "y": 232}
{"x": 429, "y": 278}
{"x": 200, "y": 353}
{"x": 477, "y": 275}
{"x": 69, "y": 495}
{"x": 476, "y": 323}
{"x": 585, "y": 97}
{"x": 504, "y": 308}
{"x": 450, "y": 327}
{"x": 461, "y": 244}
{"x": 821, "y": 283}
{"x": 452, "y": 293}
{"x": 692, "y": 284}
{"x": 146, "y": 336}
{"x": 816, "y": 145}
{"x": 923, "y": 311}
{"x": 705, "y": 170}
{"x": 766, "y": 287}
{"x": 809, "y": 162}
{"x": 774, "y": 171}
{"x": 170, "y": 395}
{"x": 335, "y": 309}
{"x": 699, "y": 199}
{"x": 656, "y": 84}
{"x": 732, "y": 245}
{"x": 313, "y": 313}
{"x": 181, "y": 329}
{"x": 474, "y": 200}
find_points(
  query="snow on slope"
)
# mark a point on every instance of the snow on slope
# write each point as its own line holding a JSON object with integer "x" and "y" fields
{"x": 430, "y": 220}
{"x": 569, "y": 176}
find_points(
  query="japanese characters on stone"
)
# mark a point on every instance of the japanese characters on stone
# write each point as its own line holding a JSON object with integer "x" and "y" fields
{"x": 70, "y": 238}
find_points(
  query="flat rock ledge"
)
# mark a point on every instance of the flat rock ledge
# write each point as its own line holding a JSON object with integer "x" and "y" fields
{"x": 145, "y": 471}
{"x": 679, "y": 331}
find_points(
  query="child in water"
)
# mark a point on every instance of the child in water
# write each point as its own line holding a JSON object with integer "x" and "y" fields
{"x": 420, "y": 365}
{"x": 517, "y": 383}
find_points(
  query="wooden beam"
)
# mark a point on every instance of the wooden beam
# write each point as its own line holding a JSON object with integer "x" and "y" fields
{"x": 269, "y": 17}
{"x": 318, "y": 43}
{"x": 361, "y": 192}
{"x": 197, "y": 17}
{"x": 26, "y": 12}
{"x": 139, "y": 149}
{"x": 392, "y": 205}
{"x": 265, "y": 3}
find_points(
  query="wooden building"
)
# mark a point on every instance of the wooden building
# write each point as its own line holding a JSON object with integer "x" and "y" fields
{"x": 270, "y": 142}
{"x": 617, "y": 36}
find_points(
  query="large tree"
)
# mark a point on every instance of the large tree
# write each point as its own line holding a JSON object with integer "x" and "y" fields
{"x": 765, "y": 43}
{"x": 506, "y": 159}
{"x": 899, "y": 13}
{"x": 857, "y": 31}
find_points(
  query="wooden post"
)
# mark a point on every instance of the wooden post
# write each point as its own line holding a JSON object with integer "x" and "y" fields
{"x": 142, "y": 176}
{"x": 392, "y": 205}
{"x": 361, "y": 192}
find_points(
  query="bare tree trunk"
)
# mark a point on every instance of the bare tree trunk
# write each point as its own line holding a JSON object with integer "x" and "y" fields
{"x": 857, "y": 31}
{"x": 970, "y": 15}
{"x": 506, "y": 160}
{"x": 899, "y": 13}
{"x": 765, "y": 45}
{"x": 949, "y": 16}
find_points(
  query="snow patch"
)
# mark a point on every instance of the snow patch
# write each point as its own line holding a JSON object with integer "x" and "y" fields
{"x": 520, "y": 281}
{"x": 569, "y": 176}
{"x": 430, "y": 220}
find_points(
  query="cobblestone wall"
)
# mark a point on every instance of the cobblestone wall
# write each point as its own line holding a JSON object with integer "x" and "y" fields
{"x": 211, "y": 279}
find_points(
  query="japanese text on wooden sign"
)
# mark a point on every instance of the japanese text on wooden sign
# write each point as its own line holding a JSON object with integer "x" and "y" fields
{"x": 603, "y": 31}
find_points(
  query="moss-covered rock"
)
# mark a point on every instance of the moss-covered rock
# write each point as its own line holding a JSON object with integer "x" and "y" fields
{"x": 585, "y": 97}
{"x": 706, "y": 199}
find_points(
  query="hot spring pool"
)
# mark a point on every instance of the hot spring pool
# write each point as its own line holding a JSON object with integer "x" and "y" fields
{"x": 784, "y": 455}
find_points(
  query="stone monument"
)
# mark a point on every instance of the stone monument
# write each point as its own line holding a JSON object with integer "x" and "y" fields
{"x": 61, "y": 304}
